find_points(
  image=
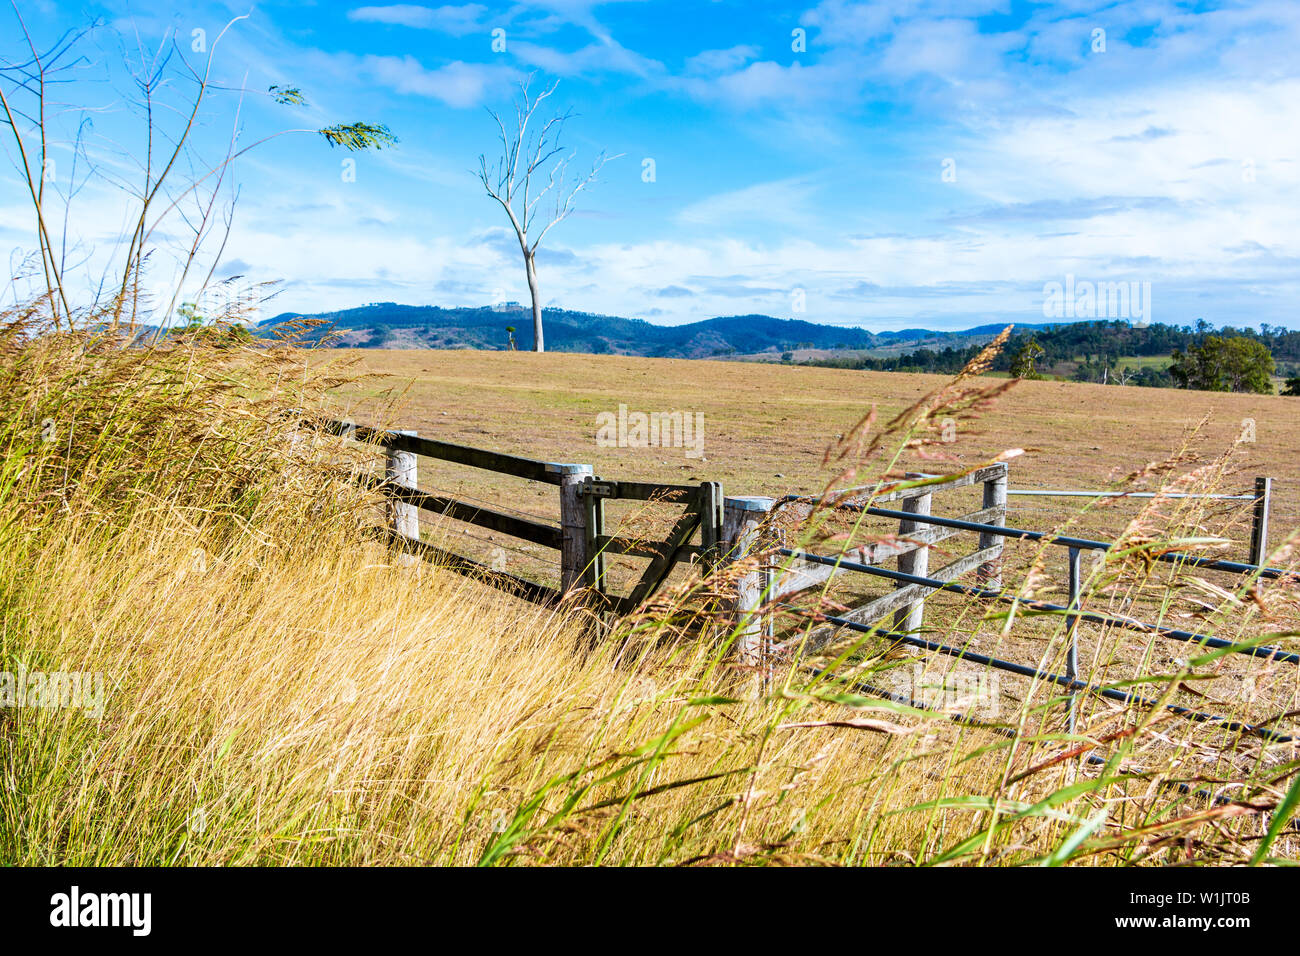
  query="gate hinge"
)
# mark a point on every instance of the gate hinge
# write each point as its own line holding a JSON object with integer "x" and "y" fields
{"x": 599, "y": 489}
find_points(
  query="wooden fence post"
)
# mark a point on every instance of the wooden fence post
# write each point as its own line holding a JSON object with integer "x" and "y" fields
{"x": 574, "y": 556}
{"x": 711, "y": 519}
{"x": 995, "y": 496}
{"x": 403, "y": 518}
{"x": 741, "y": 518}
{"x": 909, "y": 618}
{"x": 1259, "y": 531}
{"x": 593, "y": 516}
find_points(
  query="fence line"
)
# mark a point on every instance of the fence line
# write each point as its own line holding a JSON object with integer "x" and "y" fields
{"x": 1261, "y": 496}
{"x": 1072, "y": 614}
{"x": 1024, "y": 670}
{"x": 1086, "y": 544}
{"x": 734, "y": 529}
{"x": 912, "y": 580}
{"x": 1047, "y": 493}
{"x": 580, "y": 537}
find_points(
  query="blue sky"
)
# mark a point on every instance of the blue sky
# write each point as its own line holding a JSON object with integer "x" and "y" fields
{"x": 923, "y": 163}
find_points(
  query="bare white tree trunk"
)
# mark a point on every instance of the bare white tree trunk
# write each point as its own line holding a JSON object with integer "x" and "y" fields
{"x": 539, "y": 342}
{"x": 510, "y": 182}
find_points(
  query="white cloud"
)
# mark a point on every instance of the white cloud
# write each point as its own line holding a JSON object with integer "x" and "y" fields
{"x": 952, "y": 49}
{"x": 721, "y": 61}
{"x": 455, "y": 20}
{"x": 786, "y": 202}
{"x": 456, "y": 84}
{"x": 606, "y": 56}
{"x": 766, "y": 82}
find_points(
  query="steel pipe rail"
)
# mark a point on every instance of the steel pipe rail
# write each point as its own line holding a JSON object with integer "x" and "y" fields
{"x": 1087, "y": 544}
{"x": 1091, "y": 617}
{"x": 1047, "y": 493}
{"x": 1065, "y": 541}
{"x": 1073, "y": 684}
{"x": 1095, "y": 760}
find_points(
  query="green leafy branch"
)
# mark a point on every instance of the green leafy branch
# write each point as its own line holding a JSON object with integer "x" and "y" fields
{"x": 356, "y": 136}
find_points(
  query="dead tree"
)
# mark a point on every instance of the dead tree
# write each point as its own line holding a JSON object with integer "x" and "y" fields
{"x": 529, "y": 154}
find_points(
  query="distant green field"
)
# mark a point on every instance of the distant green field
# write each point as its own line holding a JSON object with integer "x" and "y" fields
{"x": 1143, "y": 361}
{"x": 1135, "y": 362}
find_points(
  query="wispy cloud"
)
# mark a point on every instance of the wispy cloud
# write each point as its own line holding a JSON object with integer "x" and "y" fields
{"x": 721, "y": 61}
{"x": 454, "y": 20}
{"x": 786, "y": 201}
{"x": 1058, "y": 210}
{"x": 599, "y": 58}
{"x": 456, "y": 83}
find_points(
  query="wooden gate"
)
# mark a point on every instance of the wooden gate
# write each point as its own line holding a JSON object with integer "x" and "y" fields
{"x": 702, "y": 512}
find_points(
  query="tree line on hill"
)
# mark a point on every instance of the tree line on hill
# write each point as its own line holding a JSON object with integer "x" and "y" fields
{"x": 1200, "y": 356}
{"x": 387, "y": 324}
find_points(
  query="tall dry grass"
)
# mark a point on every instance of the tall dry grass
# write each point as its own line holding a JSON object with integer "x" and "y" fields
{"x": 281, "y": 690}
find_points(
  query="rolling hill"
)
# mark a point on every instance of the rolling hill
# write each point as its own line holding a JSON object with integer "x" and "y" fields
{"x": 389, "y": 325}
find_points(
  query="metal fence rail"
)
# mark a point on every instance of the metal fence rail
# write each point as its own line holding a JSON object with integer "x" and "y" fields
{"x": 911, "y": 578}
{"x": 1070, "y": 683}
{"x": 1085, "y": 544}
{"x": 1262, "y": 497}
{"x": 1046, "y": 493}
{"x": 1070, "y": 613}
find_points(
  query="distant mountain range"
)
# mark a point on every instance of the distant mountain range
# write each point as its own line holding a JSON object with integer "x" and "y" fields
{"x": 389, "y": 325}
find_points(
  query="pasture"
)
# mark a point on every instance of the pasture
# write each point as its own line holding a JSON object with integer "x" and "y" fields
{"x": 766, "y": 430}
{"x": 766, "y": 427}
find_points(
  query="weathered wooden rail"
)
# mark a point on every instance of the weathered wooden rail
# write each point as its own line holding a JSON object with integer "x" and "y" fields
{"x": 580, "y": 537}
{"x": 725, "y": 528}
{"x": 406, "y": 500}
